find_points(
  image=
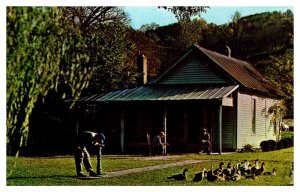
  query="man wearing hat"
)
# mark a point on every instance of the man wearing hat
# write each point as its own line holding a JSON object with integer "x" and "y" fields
{"x": 205, "y": 142}
{"x": 158, "y": 147}
{"x": 83, "y": 141}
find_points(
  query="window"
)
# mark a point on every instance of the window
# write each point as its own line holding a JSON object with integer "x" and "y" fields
{"x": 253, "y": 114}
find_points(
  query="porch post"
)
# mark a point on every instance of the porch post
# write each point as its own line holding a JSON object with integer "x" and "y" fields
{"x": 220, "y": 126}
{"x": 77, "y": 127}
{"x": 165, "y": 129}
{"x": 122, "y": 132}
{"x": 77, "y": 120}
{"x": 185, "y": 125}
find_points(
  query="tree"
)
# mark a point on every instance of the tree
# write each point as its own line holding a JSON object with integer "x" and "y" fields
{"x": 111, "y": 54}
{"x": 116, "y": 67}
{"x": 188, "y": 30}
{"x": 185, "y": 13}
{"x": 149, "y": 27}
{"x": 61, "y": 49}
{"x": 37, "y": 42}
{"x": 280, "y": 72}
{"x": 237, "y": 32}
{"x": 188, "y": 33}
{"x": 89, "y": 17}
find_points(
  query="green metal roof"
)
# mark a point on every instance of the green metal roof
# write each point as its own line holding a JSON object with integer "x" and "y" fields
{"x": 163, "y": 94}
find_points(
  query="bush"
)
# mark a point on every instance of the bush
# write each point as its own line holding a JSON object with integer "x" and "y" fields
{"x": 248, "y": 148}
{"x": 279, "y": 145}
{"x": 265, "y": 146}
{"x": 291, "y": 141}
{"x": 285, "y": 143}
{"x": 273, "y": 144}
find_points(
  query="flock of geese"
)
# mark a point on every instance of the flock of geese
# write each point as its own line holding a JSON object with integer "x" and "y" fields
{"x": 230, "y": 172}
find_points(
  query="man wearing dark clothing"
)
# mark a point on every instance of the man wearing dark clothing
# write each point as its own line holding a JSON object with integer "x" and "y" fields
{"x": 81, "y": 155}
{"x": 205, "y": 142}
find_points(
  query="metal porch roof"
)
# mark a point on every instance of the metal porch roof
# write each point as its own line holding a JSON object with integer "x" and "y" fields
{"x": 163, "y": 94}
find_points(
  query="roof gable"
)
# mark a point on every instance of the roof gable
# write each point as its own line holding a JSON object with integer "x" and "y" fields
{"x": 239, "y": 71}
{"x": 192, "y": 69}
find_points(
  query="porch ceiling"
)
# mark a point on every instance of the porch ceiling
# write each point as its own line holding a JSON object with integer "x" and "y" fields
{"x": 163, "y": 93}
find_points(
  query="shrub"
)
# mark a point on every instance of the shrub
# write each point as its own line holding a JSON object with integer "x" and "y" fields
{"x": 248, "y": 148}
{"x": 285, "y": 143}
{"x": 291, "y": 141}
{"x": 265, "y": 146}
{"x": 273, "y": 144}
{"x": 279, "y": 145}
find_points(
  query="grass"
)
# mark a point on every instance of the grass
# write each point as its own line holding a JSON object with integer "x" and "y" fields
{"x": 287, "y": 134}
{"x": 58, "y": 171}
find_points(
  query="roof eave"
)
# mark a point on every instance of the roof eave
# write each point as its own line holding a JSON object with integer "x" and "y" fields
{"x": 265, "y": 93}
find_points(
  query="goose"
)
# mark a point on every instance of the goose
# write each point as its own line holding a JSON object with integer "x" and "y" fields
{"x": 221, "y": 177}
{"x": 237, "y": 176}
{"x": 220, "y": 169}
{"x": 228, "y": 171}
{"x": 246, "y": 169}
{"x": 210, "y": 175}
{"x": 246, "y": 164}
{"x": 238, "y": 167}
{"x": 256, "y": 166}
{"x": 179, "y": 177}
{"x": 261, "y": 170}
{"x": 199, "y": 176}
{"x": 251, "y": 176}
{"x": 271, "y": 173}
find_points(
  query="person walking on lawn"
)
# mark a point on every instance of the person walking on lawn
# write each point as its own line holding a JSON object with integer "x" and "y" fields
{"x": 84, "y": 140}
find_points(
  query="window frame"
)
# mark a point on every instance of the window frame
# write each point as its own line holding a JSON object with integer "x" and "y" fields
{"x": 253, "y": 115}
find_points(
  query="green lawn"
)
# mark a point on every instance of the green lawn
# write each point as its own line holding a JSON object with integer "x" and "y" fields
{"x": 50, "y": 171}
{"x": 287, "y": 134}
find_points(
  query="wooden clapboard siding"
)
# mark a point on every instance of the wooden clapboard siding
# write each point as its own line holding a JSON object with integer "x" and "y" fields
{"x": 264, "y": 130}
{"x": 228, "y": 128}
{"x": 260, "y": 117}
{"x": 193, "y": 70}
{"x": 243, "y": 120}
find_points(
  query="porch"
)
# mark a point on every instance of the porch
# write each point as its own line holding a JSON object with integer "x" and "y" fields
{"x": 127, "y": 125}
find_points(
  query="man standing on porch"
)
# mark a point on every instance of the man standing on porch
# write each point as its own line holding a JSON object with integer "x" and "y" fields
{"x": 205, "y": 143}
{"x": 158, "y": 146}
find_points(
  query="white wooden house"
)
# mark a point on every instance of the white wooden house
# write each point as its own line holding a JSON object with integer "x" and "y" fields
{"x": 201, "y": 89}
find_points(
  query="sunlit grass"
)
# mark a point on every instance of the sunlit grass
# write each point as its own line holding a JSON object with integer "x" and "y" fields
{"x": 47, "y": 171}
{"x": 287, "y": 134}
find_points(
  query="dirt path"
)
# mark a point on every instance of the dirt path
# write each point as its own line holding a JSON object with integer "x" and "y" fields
{"x": 150, "y": 168}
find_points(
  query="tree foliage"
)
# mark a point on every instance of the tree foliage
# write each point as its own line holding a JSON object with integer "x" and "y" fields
{"x": 36, "y": 45}
{"x": 116, "y": 68}
{"x": 110, "y": 51}
{"x": 280, "y": 71}
{"x": 185, "y": 13}
{"x": 62, "y": 49}
{"x": 262, "y": 39}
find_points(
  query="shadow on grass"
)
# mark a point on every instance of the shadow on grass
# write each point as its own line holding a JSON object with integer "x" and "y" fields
{"x": 41, "y": 177}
